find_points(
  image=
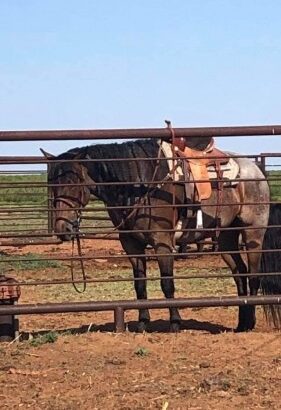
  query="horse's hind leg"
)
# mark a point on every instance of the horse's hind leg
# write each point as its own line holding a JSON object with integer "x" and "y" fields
{"x": 229, "y": 241}
{"x": 253, "y": 239}
{"x": 132, "y": 246}
{"x": 166, "y": 263}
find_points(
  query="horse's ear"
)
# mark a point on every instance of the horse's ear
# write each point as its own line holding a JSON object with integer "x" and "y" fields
{"x": 46, "y": 154}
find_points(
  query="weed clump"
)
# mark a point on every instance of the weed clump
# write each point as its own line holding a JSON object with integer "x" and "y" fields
{"x": 50, "y": 337}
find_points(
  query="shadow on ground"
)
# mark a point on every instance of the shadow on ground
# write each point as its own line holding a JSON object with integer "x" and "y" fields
{"x": 156, "y": 326}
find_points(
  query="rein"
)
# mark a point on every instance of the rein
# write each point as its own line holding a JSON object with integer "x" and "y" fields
{"x": 79, "y": 249}
{"x": 173, "y": 140}
{"x": 219, "y": 203}
{"x": 76, "y": 237}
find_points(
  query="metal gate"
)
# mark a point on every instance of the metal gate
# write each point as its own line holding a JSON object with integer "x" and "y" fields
{"x": 26, "y": 213}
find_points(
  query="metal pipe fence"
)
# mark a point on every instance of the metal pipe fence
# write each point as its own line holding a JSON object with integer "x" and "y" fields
{"x": 24, "y": 221}
{"x": 164, "y": 133}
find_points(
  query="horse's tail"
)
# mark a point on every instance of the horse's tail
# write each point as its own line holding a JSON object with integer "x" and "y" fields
{"x": 271, "y": 262}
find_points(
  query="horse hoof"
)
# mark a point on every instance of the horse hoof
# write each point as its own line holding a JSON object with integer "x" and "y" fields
{"x": 239, "y": 329}
{"x": 244, "y": 328}
{"x": 141, "y": 328}
{"x": 182, "y": 257}
{"x": 175, "y": 327}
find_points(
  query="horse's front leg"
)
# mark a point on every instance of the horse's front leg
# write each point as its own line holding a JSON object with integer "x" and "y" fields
{"x": 166, "y": 264}
{"x": 132, "y": 246}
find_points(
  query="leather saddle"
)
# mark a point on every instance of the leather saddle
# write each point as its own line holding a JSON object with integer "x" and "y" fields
{"x": 198, "y": 163}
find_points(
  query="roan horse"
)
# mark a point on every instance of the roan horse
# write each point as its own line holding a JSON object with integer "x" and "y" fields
{"x": 246, "y": 207}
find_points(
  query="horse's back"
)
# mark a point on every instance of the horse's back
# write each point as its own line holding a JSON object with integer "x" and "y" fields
{"x": 255, "y": 192}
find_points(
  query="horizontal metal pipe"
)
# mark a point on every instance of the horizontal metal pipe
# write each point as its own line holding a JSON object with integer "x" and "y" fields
{"x": 16, "y": 160}
{"x": 20, "y": 209}
{"x": 72, "y": 307}
{"x": 202, "y": 230}
{"x": 52, "y": 241}
{"x": 11, "y": 232}
{"x": 24, "y": 236}
{"x": 148, "y": 256}
{"x": 111, "y": 229}
{"x": 42, "y": 160}
{"x": 29, "y": 218}
{"x": 96, "y": 218}
{"x": 146, "y": 279}
{"x": 14, "y": 184}
{"x": 270, "y": 154}
{"x": 19, "y": 242}
{"x": 25, "y": 209}
{"x": 164, "y": 133}
{"x": 136, "y": 205}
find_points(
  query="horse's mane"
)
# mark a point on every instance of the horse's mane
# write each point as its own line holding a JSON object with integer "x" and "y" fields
{"x": 139, "y": 171}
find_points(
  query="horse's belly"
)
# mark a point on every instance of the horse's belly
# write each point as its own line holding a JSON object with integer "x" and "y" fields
{"x": 225, "y": 208}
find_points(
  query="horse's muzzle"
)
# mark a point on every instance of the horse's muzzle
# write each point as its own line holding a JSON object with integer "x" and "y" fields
{"x": 64, "y": 231}
{"x": 65, "y": 237}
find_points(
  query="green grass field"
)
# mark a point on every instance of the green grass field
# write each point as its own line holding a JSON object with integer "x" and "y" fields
{"x": 275, "y": 185}
{"x": 18, "y": 190}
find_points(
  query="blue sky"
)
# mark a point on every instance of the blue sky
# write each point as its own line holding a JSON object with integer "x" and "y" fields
{"x": 124, "y": 64}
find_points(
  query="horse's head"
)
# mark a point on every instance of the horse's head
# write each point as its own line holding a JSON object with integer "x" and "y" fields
{"x": 69, "y": 180}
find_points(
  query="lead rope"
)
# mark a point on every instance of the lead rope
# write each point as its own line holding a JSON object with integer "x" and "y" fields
{"x": 76, "y": 237}
{"x": 172, "y": 131}
{"x": 219, "y": 202}
{"x": 79, "y": 249}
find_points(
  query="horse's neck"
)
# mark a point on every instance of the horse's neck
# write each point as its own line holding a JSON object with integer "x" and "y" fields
{"x": 120, "y": 172}
{"x": 116, "y": 216}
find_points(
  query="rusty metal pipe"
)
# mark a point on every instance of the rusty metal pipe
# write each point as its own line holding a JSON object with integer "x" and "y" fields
{"x": 164, "y": 133}
{"x": 149, "y": 256}
{"x": 147, "y": 279}
{"x": 110, "y": 229}
{"x": 10, "y": 160}
{"x": 119, "y": 319}
{"x": 72, "y": 307}
{"x": 25, "y": 209}
{"x": 5, "y": 185}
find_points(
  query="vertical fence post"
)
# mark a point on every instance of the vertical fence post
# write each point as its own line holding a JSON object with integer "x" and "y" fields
{"x": 263, "y": 163}
{"x": 119, "y": 319}
{"x": 50, "y": 204}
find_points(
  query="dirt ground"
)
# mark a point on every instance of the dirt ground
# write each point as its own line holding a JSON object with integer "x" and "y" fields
{"x": 77, "y": 361}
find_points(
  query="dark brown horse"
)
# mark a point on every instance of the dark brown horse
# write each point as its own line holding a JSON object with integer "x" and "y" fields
{"x": 245, "y": 206}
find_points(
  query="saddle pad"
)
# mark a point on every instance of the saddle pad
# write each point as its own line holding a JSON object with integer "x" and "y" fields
{"x": 230, "y": 171}
{"x": 166, "y": 148}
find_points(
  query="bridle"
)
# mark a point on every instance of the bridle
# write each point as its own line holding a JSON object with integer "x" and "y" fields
{"x": 68, "y": 200}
